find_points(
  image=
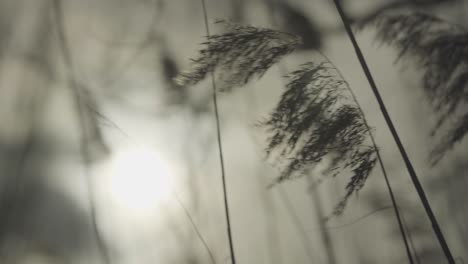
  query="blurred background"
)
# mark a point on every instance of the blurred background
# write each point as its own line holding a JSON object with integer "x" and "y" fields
{"x": 104, "y": 159}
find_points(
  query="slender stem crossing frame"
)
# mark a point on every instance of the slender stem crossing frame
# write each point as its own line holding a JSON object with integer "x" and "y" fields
{"x": 220, "y": 146}
{"x": 401, "y": 148}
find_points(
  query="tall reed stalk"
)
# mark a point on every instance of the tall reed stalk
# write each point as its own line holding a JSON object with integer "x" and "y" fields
{"x": 220, "y": 146}
{"x": 409, "y": 166}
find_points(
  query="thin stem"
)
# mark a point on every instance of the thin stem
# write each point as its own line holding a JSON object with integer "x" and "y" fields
{"x": 195, "y": 228}
{"x": 413, "y": 247}
{"x": 220, "y": 146}
{"x": 380, "y": 160}
{"x": 401, "y": 148}
{"x": 84, "y": 139}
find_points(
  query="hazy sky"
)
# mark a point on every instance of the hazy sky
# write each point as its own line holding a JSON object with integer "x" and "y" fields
{"x": 168, "y": 154}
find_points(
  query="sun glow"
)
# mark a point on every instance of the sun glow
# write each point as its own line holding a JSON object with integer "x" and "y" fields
{"x": 139, "y": 179}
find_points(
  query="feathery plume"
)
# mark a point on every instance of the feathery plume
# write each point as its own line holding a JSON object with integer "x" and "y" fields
{"x": 314, "y": 122}
{"x": 241, "y": 53}
{"x": 441, "y": 50}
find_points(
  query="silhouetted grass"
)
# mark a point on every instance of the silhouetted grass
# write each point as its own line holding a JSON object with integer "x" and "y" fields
{"x": 313, "y": 124}
{"x": 238, "y": 55}
{"x": 441, "y": 50}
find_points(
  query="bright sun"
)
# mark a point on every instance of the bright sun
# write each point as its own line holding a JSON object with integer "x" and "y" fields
{"x": 139, "y": 179}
